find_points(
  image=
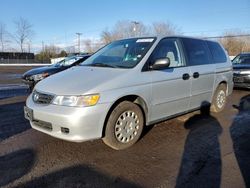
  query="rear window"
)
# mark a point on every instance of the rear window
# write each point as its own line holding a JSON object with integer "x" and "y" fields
{"x": 217, "y": 52}
{"x": 197, "y": 52}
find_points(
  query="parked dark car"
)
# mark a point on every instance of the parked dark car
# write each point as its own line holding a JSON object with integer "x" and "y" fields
{"x": 33, "y": 76}
{"x": 241, "y": 67}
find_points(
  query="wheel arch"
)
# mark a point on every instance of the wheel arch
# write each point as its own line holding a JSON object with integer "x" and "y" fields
{"x": 132, "y": 98}
{"x": 222, "y": 82}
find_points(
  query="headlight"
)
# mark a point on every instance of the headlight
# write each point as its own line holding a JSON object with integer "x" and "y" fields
{"x": 245, "y": 72}
{"x": 78, "y": 101}
{"x": 38, "y": 77}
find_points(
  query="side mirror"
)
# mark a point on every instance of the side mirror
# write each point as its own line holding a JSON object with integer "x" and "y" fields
{"x": 161, "y": 63}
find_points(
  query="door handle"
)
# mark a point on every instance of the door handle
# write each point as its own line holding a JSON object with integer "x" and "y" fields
{"x": 185, "y": 76}
{"x": 196, "y": 75}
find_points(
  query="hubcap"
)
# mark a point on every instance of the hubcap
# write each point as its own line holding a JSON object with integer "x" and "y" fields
{"x": 221, "y": 98}
{"x": 127, "y": 126}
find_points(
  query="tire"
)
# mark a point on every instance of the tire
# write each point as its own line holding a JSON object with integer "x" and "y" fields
{"x": 124, "y": 126}
{"x": 219, "y": 99}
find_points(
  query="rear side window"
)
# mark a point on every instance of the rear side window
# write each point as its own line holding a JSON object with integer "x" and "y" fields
{"x": 217, "y": 52}
{"x": 197, "y": 52}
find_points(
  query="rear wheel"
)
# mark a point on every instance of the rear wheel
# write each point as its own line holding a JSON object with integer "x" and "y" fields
{"x": 219, "y": 99}
{"x": 124, "y": 126}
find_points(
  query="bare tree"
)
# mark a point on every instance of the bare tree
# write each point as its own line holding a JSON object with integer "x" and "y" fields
{"x": 164, "y": 28}
{"x": 233, "y": 44}
{"x": 49, "y": 51}
{"x": 23, "y": 33}
{"x": 107, "y": 36}
{"x": 70, "y": 49}
{"x": 127, "y": 29}
{"x": 52, "y": 50}
{"x": 4, "y": 37}
{"x": 92, "y": 46}
{"x": 124, "y": 29}
{"x": 246, "y": 47}
{"x": 87, "y": 44}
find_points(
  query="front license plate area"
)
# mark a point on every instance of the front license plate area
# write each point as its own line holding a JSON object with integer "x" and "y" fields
{"x": 238, "y": 79}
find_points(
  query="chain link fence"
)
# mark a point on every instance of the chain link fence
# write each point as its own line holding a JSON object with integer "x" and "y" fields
{"x": 20, "y": 58}
{"x": 23, "y": 61}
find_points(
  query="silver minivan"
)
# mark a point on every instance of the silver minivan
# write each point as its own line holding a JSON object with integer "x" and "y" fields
{"x": 130, "y": 84}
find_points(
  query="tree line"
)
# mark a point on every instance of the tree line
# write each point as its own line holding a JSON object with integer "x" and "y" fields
{"x": 122, "y": 29}
{"x": 127, "y": 29}
{"x": 234, "y": 41}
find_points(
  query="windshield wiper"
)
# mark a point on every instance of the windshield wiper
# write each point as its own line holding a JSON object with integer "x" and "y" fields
{"x": 101, "y": 65}
{"x": 124, "y": 67}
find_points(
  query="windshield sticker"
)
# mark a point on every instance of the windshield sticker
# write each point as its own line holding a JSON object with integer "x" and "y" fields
{"x": 145, "y": 40}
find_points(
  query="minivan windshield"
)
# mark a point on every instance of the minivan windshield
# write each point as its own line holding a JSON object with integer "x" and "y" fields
{"x": 121, "y": 54}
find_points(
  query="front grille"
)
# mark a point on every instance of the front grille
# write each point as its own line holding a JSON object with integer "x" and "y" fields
{"x": 42, "y": 98}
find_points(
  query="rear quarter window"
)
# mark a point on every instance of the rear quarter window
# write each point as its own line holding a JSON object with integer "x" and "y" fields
{"x": 217, "y": 52}
{"x": 196, "y": 51}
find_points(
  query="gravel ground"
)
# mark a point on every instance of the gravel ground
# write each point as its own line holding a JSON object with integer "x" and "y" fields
{"x": 194, "y": 150}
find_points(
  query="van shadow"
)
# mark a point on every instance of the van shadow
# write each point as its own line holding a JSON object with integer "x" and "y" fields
{"x": 12, "y": 120}
{"x": 201, "y": 160}
{"x": 77, "y": 176}
{"x": 240, "y": 134}
{"x": 15, "y": 165}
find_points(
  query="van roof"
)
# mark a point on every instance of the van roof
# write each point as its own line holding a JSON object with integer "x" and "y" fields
{"x": 166, "y": 36}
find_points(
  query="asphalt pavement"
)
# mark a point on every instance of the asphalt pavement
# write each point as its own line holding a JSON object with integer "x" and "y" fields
{"x": 195, "y": 150}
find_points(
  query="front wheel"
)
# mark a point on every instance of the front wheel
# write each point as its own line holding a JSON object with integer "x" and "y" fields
{"x": 219, "y": 99}
{"x": 124, "y": 126}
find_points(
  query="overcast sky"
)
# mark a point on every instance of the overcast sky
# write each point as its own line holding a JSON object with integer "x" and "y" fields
{"x": 57, "y": 21}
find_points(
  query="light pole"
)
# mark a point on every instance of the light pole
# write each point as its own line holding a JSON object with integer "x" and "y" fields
{"x": 135, "y": 26}
{"x": 79, "y": 39}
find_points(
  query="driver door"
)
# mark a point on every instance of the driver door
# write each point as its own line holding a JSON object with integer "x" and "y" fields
{"x": 171, "y": 86}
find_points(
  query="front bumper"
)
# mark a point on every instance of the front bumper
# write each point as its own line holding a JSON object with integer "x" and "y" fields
{"x": 241, "y": 80}
{"x": 82, "y": 124}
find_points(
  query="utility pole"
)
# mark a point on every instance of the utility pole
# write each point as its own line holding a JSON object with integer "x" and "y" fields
{"x": 135, "y": 26}
{"x": 79, "y": 40}
{"x": 29, "y": 44}
{"x": 29, "y": 47}
{"x": 42, "y": 51}
{"x": 42, "y": 46}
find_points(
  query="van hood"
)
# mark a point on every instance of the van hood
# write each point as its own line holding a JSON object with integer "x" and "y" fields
{"x": 82, "y": 80}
